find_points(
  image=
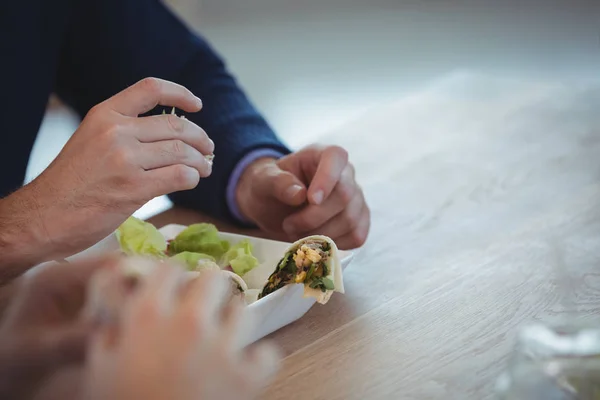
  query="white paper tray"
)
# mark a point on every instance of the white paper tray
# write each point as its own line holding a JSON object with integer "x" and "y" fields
{"x": 270, "y": 313}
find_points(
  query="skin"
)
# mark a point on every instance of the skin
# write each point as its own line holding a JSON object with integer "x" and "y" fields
{"x": 178, "y": 341}
{"x": 174, "y": 338}
{"x": 312, "y": 191}
{"x": 114, "y": 163}
{"x": 42, "y": 328}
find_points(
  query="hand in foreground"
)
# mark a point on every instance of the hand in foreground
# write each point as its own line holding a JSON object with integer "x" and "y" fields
{"x": 42, "y": 329}
{"x": 114, "y": 163}
{"x": 178, "y": 344}
{"x": 312, "y": 191}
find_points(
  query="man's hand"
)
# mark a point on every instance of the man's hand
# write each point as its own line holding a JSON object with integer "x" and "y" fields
{"x": 178, "y": 340}
{"x": 42, "y": 330}
{"x": 312, "y": 191}
{"x": 114, "y": 163}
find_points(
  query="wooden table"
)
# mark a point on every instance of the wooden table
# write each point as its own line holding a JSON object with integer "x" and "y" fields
{"x": 486, "y": 216}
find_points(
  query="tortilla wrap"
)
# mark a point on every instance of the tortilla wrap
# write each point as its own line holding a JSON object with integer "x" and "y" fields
{"x": 313, "y": 261}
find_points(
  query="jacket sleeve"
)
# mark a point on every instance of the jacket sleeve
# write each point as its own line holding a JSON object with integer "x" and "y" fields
{"x": 111, "y": 44}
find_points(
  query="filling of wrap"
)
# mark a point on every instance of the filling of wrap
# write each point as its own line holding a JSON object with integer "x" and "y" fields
{"x": 308, "y": 263}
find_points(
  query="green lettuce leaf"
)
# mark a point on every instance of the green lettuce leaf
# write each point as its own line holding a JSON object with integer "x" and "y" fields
{"x": 139, "y": 237}
{"x": 200, "y": 238}
{"x": 191, "y": 259}
{"x": 240, "y": 258}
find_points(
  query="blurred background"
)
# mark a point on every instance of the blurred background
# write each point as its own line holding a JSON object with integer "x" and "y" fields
{"x": 315, "y": 65}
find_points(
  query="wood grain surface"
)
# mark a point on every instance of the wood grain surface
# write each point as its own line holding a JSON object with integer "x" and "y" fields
{"x": 486, "y": 217}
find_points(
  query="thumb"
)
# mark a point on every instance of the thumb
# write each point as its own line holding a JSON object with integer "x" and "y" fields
{"x": 285, "y": 187}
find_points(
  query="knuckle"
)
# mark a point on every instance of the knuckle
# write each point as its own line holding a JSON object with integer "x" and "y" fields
{"x": 178, "y": 147}
{"x": 122, "y": 157}
{"x": 183, "y": 177}
{"x": 339, "y": 152}
{"x": 97, "y": 109}
{"x": 363, "y": 232}
{"x": 111, "y": 133}
{"x": 358, "y": 237}
{"x": 314, "y": 148}
{"x": 303, "y": 224}
{"x": 313, "y": 151}
{"x": 312, "y": 222}
{"x": 351, "y": 219}
{"x": 150, "y": 85}
{"x": 352, "y": 170}
{"x": 175, "y": 123}
{"x": 346, "y": 193}
{"x": 305, "y": 221}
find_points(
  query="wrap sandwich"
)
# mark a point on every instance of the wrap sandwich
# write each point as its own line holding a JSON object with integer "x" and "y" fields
{"x": 312, "y": 261}
{"x": 238, "y": 286}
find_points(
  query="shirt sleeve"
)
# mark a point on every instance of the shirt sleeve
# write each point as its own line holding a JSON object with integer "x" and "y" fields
{"x": 112, "y": 44}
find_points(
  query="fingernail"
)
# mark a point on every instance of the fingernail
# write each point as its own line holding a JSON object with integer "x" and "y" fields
{"x": 292, "y": 191}
{"x": 198, "y": 102}
{"x": 318, "y": 197}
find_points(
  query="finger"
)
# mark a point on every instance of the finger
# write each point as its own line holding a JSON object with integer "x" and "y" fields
{"x": 146, "y": 94}
{"x": 238, "y": 326}
{"x": 100, "y": 345}
{"x": 341, "y": 224}
{"x": 63, "y": 285}
{"x": 106, "y": 295}
{"x": 63, "y": 276}
{"x": 166, "y": 127}
{"x": 262, "y": 361}
{"x": 314, "y": 216}
{"x": 172, "y": 152}
{"x": 205, "y": 299}
{"x": 155, "y": 297}
{"x": 281, "y": 185}
{"x": 166, "y": 180}
{"x": 333, "y": 161}
{"x": 358, "y": 236}
{"x": 162, "y": 286}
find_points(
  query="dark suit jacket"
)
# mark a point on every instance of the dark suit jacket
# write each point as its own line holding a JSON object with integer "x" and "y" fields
{"x": 88, "y": 50}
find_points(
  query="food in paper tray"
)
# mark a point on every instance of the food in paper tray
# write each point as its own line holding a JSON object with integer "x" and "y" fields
{"x": 199, "y": 238}
{"x": 313, "y": 261}
{"x": 139, "y": 237}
